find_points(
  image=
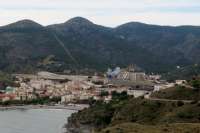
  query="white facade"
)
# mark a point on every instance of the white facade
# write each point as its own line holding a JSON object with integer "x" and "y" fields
{"x": 180, "y": 82}
{"x": 159, "y": 87}
{"x": 137, "y": 93}
{"x": 67, "y": 98}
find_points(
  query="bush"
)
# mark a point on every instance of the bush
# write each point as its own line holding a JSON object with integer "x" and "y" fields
{"x": 107, "y": 131}
{"x": 180, "y": 103}
{"x": 158, "y": 103}
{"x": 195, "y": 83}
{"x": 185, "y": 115}
{"x": 119, "y": 96}
{"x": 104, "y": 93}
{"x": 42, "y": 100}
{"x": 173, "y": 104}
{"x": 194, "y": 102}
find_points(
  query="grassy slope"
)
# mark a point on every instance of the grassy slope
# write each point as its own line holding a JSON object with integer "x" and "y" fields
{"x": 178, "y": 93}
{"x": 138, "y": 128}
{"x": 148, "y": 114}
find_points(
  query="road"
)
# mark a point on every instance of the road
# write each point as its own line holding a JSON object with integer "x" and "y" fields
{"x": 166, "y": 100}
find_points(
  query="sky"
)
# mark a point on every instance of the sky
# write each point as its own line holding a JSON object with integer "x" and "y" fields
{"x": 104, "y": 12}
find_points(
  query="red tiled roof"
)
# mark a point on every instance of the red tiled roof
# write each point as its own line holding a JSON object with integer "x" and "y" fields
{"x": 11, "y": 96}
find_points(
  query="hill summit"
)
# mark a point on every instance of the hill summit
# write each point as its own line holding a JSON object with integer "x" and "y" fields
{"x": 24, "y": 24}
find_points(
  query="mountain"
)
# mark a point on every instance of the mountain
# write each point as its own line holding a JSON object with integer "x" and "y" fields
{"x": 23, "y": 24}
{"x": 23, "y": 44}
{"x": 186, "y": 73}
{"x": 27, "y": 46}
{"x": 180, "y": 44}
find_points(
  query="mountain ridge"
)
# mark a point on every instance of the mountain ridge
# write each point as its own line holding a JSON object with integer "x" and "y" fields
{"x": 79, "y": 18}
{"x": 25, "y": 23}
{"x": 154, "y": 48}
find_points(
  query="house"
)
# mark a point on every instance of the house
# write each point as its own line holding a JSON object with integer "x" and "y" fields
{"x": 138, "y": 91}
{"x": 180, "y": 82}
{"x": 163, "y": 86}
{"x": 67, "y": 98}
{"x": 7, "y": 97}
{"x": 9, "y": 89}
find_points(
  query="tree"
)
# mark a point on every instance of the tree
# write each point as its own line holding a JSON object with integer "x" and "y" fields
{"x": 104, "y": 93}
{"x": 119, "y": 96}
{"x": 195, "y": 83}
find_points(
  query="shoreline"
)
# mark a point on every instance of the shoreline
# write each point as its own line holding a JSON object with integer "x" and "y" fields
{"x": 26, "y": 107}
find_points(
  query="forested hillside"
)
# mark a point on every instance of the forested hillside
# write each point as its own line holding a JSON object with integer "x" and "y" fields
{"x": 26, "y": 46}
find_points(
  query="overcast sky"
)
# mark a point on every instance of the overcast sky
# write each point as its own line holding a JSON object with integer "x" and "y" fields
{"x": 104, "y": 12}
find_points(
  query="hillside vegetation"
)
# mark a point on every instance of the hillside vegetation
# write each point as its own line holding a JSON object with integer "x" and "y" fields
{"x": 137, "y": 115}
{"x": 178, "y": 93}
{"x": 186, "y": 73}
{"x": 6, "y": 80}
{"x": 189, "y": 91}
{"x": 167, "y": 128}
{"x": 26, "y": 46}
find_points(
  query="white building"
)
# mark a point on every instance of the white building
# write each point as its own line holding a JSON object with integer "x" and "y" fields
{"x": 159, "y": 87}
{"x": 67, "y": 98}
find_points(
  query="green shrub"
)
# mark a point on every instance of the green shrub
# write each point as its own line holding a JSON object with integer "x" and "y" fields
{"x": 185, "y": 115}
{"x": 180, "y": 103}
{"x": 194, "y": 102}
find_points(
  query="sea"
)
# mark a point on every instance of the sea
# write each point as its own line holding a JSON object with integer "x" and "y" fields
{"x": 34, "y": 120}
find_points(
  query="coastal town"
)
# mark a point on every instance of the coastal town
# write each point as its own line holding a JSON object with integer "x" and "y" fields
{"x": 73, "y": 88}
{"x": 100, "y": 66}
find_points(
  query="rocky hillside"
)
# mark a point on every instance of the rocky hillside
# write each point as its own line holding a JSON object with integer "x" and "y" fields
{"x": 78, "y": 43}
{"x": 137, "y": 116}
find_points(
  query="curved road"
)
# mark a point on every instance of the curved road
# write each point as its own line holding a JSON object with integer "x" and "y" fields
{"x": 166, "y": 100}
